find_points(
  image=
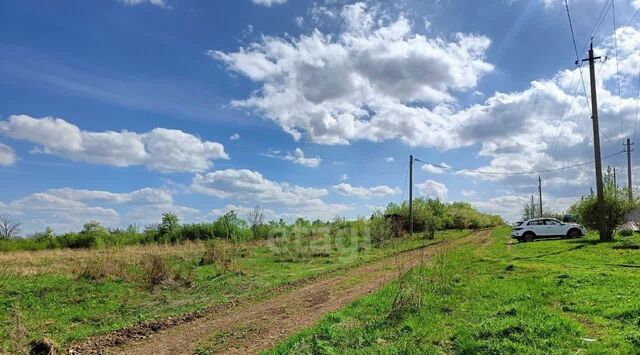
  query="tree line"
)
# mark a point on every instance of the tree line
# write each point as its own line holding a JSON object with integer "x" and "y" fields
{"x": 429, "y": 215}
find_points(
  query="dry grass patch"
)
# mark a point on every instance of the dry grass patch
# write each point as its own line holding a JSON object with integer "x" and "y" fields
{"x": 66, "y": 261}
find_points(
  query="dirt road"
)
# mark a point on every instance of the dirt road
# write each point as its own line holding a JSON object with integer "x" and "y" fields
{"x": 253, "y": 327}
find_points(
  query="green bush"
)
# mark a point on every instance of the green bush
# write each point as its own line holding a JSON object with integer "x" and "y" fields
{"x": 432, "y": 214}
{"x": 626, "y": 232}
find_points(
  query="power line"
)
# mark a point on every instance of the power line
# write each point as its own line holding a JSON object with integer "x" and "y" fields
{"x": 575, "y": 47}
{"x": 596, "y": 26}
{"x": 631, "y": 20}
{"x": 484, "y": 172}
{"x": 404, "y": 187}
{"x": 607, "y": 138}
{"x": 564, "y": 117}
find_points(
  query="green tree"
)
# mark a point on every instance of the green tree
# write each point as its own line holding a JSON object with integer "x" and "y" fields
{"x": 230, "y": 225}
{"x": 616, "y": 205}
{"x": 170, "y": 223}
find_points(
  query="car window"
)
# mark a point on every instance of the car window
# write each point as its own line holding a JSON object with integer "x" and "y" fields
{"x": 535, "y": 223}
{"x": 551, "y": 222}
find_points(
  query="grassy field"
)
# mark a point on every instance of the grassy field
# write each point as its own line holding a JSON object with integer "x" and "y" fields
{"x": 68, "y": 295}
{"x": 552, "y": 296}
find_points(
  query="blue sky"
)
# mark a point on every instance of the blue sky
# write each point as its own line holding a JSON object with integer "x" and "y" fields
{"x": 119, "y": 110}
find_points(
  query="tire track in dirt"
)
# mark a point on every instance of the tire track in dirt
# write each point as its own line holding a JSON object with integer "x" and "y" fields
{"x": 250, "y": 328}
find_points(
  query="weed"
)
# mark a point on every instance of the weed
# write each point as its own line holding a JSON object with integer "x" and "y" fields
{"x": 155, "y": 272}
{"x": 218, "y": 253}
{"x": 408, "y": 299}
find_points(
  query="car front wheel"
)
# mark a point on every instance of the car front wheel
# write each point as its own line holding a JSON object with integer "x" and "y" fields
{"x": 574, "y": 233}
{"x": 528, "y": 237}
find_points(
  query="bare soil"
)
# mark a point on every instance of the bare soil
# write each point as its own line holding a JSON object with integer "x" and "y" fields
{"x": 243, "y": 328}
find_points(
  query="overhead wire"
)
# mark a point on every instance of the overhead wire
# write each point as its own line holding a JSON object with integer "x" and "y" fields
{"x": 596, "y": 26}
{"x": 575, "y": 48}
{"x": 404, "y": 187}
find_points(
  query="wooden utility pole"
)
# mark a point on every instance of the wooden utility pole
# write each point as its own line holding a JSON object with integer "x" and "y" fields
{"x": 602, "y": 227}
{"x": 629, "y": 184}
{"x": 540, "y": 195}
{"x": 411, "y": 195}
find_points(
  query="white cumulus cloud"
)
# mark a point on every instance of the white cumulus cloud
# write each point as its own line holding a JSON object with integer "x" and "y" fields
{"x": 368, "y": 83}
{"x": 366, "y": 192}
{"x": 247, "y": 187}
{"x": 433, "y": 189}
{"x": 7, "y": 155}
{"x": 296, "y": 157}
{"x": 159, "y": 3}
{"x": 269, "y": 2}
{"x": 161, "y": 149}
{"x": 433, "y": 169}
{"x": 67, "y": 209}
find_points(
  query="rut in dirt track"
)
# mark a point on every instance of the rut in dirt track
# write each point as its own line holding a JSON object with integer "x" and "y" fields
{"x": 254, "y": 327}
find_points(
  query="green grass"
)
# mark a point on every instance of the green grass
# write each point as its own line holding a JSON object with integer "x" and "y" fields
{"x": 546, "y": 297}
{"x": 67, "y": 308}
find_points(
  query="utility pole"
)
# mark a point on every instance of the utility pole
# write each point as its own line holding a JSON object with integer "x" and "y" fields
{"x": 411, "y": 195}
{"x": 540, "y": 195}
{"x": 532, "y": 210}
{"x": 615, "y": 182}
{"x": 602, "y": 227}
{"x": 629, "y": 184}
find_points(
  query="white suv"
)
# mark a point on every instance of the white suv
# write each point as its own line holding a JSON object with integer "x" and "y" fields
{"x": 529, "y": 230}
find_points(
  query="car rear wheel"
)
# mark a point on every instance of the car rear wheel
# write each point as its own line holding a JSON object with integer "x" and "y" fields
{"x": 528, "y": 237}
{"x": 574, "y": 233}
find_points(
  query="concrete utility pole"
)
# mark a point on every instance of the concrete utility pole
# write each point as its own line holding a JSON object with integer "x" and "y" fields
{"x": 629, "y": 184}
{"x": 615, "y": 182}
{"x": 602, "y": 227}
{"x": 411, "y": 195}
{"x": 532, "y": 210}
{"x": 540, "y": 195}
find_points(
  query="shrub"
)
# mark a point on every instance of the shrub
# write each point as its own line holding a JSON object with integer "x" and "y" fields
{"x": 626, "y": 232}
{"x": 219, "y": 253}
{"x": 379, "y": 229}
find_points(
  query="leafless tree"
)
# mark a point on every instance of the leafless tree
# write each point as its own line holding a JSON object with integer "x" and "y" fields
{"x": 256, "y": 219}
{"x": 9, "y": 226}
